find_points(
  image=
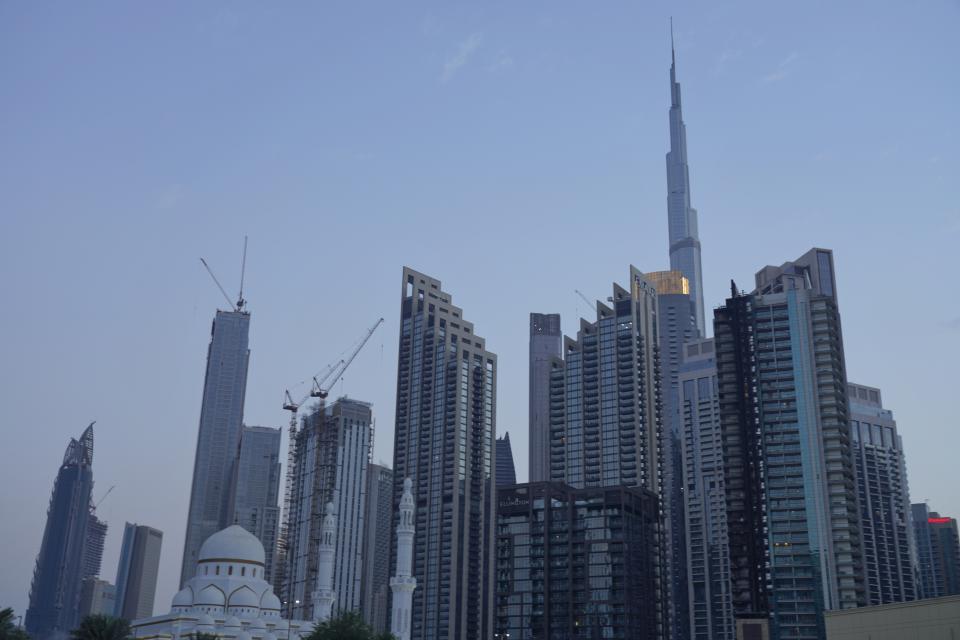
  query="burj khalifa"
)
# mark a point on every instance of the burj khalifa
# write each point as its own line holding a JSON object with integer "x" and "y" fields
{"x": 681, "y": 217}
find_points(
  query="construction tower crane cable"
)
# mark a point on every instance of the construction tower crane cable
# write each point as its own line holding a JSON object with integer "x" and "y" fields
{"x": 219, "y": 286}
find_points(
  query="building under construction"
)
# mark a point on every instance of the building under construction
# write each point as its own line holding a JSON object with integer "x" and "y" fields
{"x": 332, "y": 450}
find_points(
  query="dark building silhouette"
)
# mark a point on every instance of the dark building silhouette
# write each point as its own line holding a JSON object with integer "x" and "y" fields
{"x": 72, "y": 546}
{"x": 137, "y": 571}
{"x": 506, "y": 472}
{"x": 577, "y": 563}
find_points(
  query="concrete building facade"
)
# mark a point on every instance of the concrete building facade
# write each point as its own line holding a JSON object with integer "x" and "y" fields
{"x": 444, "y": 442}
{"x": 707, "y": 545}
{"x": 546, "y": 343}
{"x": 332, "y": 454}
{"x": 889, "y": 556}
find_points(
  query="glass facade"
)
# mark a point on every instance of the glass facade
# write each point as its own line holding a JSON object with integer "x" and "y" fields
{"x": 219, "y": 433}
{"x": 71, "y": 548}
{"x": 577, "y": 563}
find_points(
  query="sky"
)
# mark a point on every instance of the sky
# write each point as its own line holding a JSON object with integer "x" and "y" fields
{"x": 513, "y": 150}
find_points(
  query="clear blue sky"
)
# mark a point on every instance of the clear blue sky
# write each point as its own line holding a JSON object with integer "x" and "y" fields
{"x": 513, "y": 150}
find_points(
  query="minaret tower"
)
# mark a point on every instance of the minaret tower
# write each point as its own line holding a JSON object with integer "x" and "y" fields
{"x": 681, "y": 217}
{"x": 324, "y": 597}
{"x": 403, "y": 583}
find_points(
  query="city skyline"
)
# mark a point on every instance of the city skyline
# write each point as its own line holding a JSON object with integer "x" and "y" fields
{"x": 112, "y": 363}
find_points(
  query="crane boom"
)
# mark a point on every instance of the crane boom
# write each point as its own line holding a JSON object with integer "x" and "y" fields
{"x": 584, "y": 298}
{"x": 104, "y": 497}
{"x": 353, "y": 355}
{"x": 217, "y": 282}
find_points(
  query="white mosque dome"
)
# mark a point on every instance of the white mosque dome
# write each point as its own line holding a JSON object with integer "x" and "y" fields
{"x": 210, "y": 596}
{"x": 258, "y": 625}
{"x": 184, "y": 598}
{"x": 232, "y": 622}
{"x": 244, "y": 597}
{"x": 270, "y": 602}
{"x": 204, "y": 622}
{"x": 233, "y": 543}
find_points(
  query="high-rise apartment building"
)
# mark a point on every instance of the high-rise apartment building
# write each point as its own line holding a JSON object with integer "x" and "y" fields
{"x": 330, "y": 466}
{"x": 71, "y": 548}
{"x": 605, "y": 396}
{"x": 256, "y": 490}
{"x": 577, "y": 563}
{"x": 546, "y": 342}
{"x": 676, "y": 325}
{"x": 444, "y": 442}
{"x": 506, "y": 472}
{"x": 375, "y": 584}
{"x": 884, "y": 499}
{"x": 938, "y": 553}
{"x": 681, "y": 217}
{"x": 792, "y": 519}
{"x": 137, "y": 572}
{"x": 219, "y": 433}
{"x": 706, "y": 546}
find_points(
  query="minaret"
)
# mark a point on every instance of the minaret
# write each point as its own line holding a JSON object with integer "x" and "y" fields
{"x": 403, "y": 583}
{"x": 324, "y": 596}
{"x": 681, "y": 217}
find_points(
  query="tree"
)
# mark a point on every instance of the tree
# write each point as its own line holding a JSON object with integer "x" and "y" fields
{"x": 347, "y": 626}
{"x": 9, "y": 630}
{"x": 101, "y": 627}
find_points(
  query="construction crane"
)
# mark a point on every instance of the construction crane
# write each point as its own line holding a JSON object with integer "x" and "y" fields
{"x": 102, "y": 498}
{"x": 320, "y": 390}
{"x": 590, "y": 305}
{"x": 240, "y": 303}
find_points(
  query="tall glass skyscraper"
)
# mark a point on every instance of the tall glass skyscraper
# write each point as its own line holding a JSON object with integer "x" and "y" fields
{"x": 375, "y": 584}
{"x": 256, "y": 490}
{"x": 137, "y": 571}
{"x": 444, "y": 442}
{"x": 219, "y": 434}
{"x": 546, "y": 341}
{"x": 938, "y": 552}
{"x": 794, "y": 530}
{"x": 71, "y": 548}
{"x": 681, "y": 217}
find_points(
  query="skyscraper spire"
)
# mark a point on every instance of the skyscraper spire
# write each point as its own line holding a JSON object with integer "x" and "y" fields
{"x": 681, "y": 217}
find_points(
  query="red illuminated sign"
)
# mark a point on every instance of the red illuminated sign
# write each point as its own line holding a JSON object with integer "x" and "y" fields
{"x": 939, "y": 520}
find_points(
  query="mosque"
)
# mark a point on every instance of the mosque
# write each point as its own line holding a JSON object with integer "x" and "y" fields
{"x": 229, "y": 598}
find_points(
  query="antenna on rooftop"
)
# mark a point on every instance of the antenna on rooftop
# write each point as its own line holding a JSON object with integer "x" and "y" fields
{"x": 243, "y": 270}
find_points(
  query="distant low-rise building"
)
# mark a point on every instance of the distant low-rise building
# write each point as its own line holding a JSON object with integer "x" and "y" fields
{"x": 938, "y": 552}
{"x": 97, "y": 597}
{"x": 936, "y": 619}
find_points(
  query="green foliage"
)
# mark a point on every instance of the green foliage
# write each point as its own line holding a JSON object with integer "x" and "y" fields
{"x": 347, "y": 626}
{"x": 8, "y": 628}
{"x": 101, "y": 627}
